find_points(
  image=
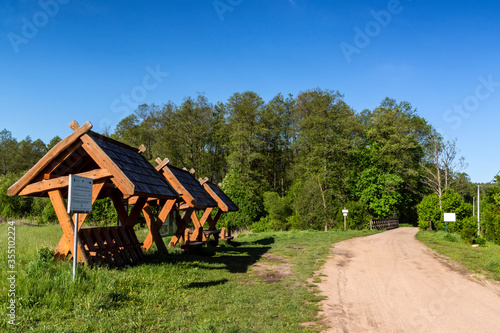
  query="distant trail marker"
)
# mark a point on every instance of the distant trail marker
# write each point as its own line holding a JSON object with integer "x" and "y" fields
{"x": 344, "y": 212}
{"x": 79, "y": 201}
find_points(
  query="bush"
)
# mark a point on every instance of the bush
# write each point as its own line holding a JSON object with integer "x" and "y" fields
{"x": 468, "y": 229}
{"x": 479, "y": 241}
{"x": 451, "y": 237}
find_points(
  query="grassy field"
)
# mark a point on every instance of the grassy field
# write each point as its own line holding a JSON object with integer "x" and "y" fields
{"x": 258, "y": 284}
{"x": 483, "y": 260}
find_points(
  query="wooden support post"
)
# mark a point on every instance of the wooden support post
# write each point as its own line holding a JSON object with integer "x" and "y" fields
{"x": 118, "y": 203}
{"x": 96, "y": 188}
{"x": 136, "y": 212}
{"x": 67, "y": 226}
{"x": 197, "y": 234}
{"x": 153, "y": 228}
{"x": 181, "y": 226}
{"x": 167, "y": 207}
{"x": 214, "y": 220}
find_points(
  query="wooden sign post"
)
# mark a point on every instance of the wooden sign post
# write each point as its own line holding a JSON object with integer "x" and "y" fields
{"x": 79, "y": 201}
{"x": 344, "y": 212}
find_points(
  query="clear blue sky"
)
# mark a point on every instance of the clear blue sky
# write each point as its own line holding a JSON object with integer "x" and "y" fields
{"x": 97, "y": 60}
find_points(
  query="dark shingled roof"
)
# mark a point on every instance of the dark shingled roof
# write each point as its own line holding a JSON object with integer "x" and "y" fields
{"x": 135, "y": 167}
{"x": 223, "y": 197}
{"x": 193, "y": 187}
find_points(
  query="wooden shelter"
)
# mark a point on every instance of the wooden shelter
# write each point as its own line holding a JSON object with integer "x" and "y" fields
{"x": 192, "y": 197}
{"x": 118, "y": 171}
{"x": 224, "y": 203}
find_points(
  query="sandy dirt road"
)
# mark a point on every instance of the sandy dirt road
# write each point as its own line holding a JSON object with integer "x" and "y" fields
{"x": 390, "y": 282}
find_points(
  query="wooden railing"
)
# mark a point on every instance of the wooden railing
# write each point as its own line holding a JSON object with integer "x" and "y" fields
{"x": 384, "y": 224}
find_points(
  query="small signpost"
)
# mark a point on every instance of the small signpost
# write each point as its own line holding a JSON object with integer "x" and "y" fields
{"x": 344, "y": 212}
{"x": 449, "y": 217}
{"x": 79, "y": 201}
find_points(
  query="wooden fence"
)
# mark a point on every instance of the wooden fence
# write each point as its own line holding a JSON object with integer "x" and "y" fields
{"x": 384, "y": 224}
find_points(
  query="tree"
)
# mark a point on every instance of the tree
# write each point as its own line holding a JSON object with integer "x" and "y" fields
{"x": 8, "y": 152}
{"x": 391, "y": 154}
{"x": 440, "y": 166}
{"x": 325, "y": 134}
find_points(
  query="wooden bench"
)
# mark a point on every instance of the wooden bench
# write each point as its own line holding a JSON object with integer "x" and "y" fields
{"x": 114, "y": 246}
{"x": 225, "y": 235}
{"x": 189, "y": 244}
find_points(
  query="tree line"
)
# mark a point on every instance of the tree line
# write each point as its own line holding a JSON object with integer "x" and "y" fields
{"x": 295, "y": 162}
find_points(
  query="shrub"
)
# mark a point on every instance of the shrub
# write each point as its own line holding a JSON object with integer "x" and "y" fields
{"x": 451, "y": 237}
{"x": 468, "y": 229}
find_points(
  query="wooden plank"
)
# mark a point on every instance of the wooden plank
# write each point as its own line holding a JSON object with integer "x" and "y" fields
{"x": 120, "y": 244}
{"x": 162, "y": 216}
{"x": 67, "y": 226}
{"x": 118, "y": 256}
{"x": 125, "y": 244}
{"x": 62, "y": 182}
{"x": 104, "y": 248}
{"x": 100, "y": 157}
{"x": 49, "y": 157}
{"x": 134, "y": 242}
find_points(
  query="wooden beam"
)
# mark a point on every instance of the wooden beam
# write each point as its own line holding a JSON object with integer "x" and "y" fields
{"x": 167, "y": 207}
{"x": 49, "y": 157}
{"x": 206, "y": 216}
{"x": 178, "y": 186}
{"x": 62, "y": 182}
{"x": 153, "y": 229}
{"x": 103, "y": 160}
{"x": 220, "y": 202}
{"x": 118, "y": 203}
{"x": 161, "y": 163}
{"x": 181, "y": 227}
{"x": 67, "y": 226}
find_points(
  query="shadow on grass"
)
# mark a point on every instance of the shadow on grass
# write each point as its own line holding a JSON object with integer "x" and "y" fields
{"x": 236, "y": 257}
{"x": 206, "y": 284}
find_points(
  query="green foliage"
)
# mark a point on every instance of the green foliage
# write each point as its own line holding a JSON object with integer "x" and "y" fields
{"x": 468, "y": 228}
{"x": 103, "y": 213}
{"x": 244, "y": 195}
{"x": 308, "y": 210}
{"x": 490, "y": 217}
{"x": 278, "y": 211}
{"x": 450, "y": 237}
{"x": 428, "y": 210}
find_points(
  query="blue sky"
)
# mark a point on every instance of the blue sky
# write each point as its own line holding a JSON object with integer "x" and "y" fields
{"x": 97, "y": 60}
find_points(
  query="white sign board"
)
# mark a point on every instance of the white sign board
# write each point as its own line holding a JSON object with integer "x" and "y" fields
{"x": 345, "y": 211}
{"x": 79, "y": 194}
{"x": 449, "y": 217}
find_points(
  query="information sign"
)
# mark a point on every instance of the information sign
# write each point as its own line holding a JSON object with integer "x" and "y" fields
{"x": 79, "y": 194}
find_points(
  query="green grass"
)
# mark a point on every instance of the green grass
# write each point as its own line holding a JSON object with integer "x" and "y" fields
{"x": 483, "y": 260}
{"x": 216, "y": 291}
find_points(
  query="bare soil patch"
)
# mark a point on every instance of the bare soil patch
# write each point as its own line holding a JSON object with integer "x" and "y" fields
{"x": 272, "y": 268}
